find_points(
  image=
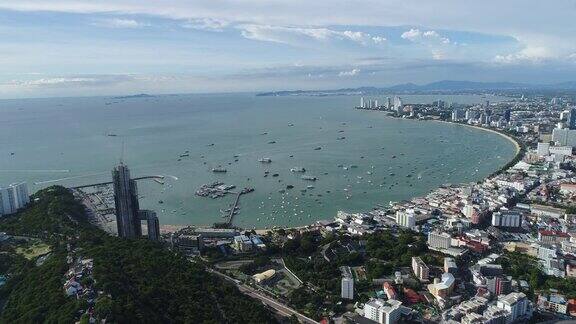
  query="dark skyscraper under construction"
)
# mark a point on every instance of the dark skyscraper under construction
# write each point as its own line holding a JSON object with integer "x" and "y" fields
{"x": 128, "y": 213}
{"x": 126, "y": 200}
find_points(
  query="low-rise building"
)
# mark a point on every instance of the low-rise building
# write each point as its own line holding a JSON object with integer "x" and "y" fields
{"x": 242, "y": 243}
{"x": 442, "y": 288}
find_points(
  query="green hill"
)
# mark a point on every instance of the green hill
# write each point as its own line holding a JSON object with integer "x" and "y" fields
{"x": 136, "y": 280}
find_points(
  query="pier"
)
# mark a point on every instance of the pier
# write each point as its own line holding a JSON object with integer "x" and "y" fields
{"x": 233, "y": 208}
{"x": 155, "y": 177}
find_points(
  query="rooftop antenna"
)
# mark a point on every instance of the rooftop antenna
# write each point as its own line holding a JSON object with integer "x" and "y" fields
{"x": 123, "y": 150}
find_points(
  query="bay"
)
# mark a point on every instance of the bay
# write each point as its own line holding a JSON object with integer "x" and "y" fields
{"x": 64, "y": 141}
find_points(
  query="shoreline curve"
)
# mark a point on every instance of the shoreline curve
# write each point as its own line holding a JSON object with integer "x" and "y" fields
{"x": 167, "y": 228}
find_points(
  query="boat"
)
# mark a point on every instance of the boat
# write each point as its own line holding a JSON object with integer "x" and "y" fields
{"x": 317, "y": 148}
{"x": 265, "y": 160}
{"x": 310, "y": 178}
{"x": 219, "y": 170}
{"x": 298, "y": 169}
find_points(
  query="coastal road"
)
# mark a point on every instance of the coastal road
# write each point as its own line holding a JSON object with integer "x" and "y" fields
{"x": 277, "y": 306}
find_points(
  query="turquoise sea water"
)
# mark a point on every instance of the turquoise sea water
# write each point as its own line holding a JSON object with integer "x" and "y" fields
{"x": 63, "y": 141}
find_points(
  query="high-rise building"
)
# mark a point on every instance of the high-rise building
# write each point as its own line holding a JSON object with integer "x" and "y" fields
{"x": 420, "y": 268}
{"x": 457, "y": 114}
{"x": 385, "y": 312}
{"x": 439, "y": 240}
{"x": 397, "y": 104}
{"x": 152, "y": 223}
{"x": 571, "y": 122}
{"x": 13, "y": 198}
{"x": 126, "y": 202}
{"x": 406, "y": 218}
{"x": 506, "y": 218}
{"x": 507, "y": 115}
{"x": 564, "y": 137}
{"x": 516, "y": 304}
{"x": 498, "y": 285}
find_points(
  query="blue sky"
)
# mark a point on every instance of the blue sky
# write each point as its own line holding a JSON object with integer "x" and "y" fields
{"x": 75, "y": 47}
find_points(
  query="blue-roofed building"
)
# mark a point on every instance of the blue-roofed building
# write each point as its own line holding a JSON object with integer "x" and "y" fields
{"x": 257, "y": 241}
{"x": 242, "y": 243}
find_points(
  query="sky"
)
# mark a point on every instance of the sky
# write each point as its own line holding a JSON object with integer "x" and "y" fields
{"x": 111, "y": 47}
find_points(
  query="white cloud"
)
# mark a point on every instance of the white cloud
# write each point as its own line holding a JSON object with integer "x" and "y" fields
{"x": 378, "y": 39}
{"x": 526, "y": 55}
{"x": 350, "y": 73}
{"x": 119, "y": 23}
{"x": 295, "y": 35}
{"x": 207, "y": 24}
{"x": 70, "y": 81}
{"x": 418, "y": 36}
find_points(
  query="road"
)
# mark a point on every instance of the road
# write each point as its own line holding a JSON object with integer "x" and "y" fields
{"x": 277, "y": 306}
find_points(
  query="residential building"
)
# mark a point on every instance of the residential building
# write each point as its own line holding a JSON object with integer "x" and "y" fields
{"x": 571, "y": 120}
{"x": 442, "y": 288}
{"x": 347, "y": 283}
{"x": 516, "y": 304}
{"x": 13, "y": 198}
{"x": 439, "y": 240}
{"x": 347, "y": 288}
{"x": 406, "y": 218}
{"x": 385, "y": 312}
{"x": 553, "y": 303}
{"x": 450, "y": 266}
{"x": 543, "y": 149}
{"x": 564, "y": 137}
{"x": 498, "y": 285}
{"x": 561, "y": 150}
{"x": 551, "y": 237}
{"x": 507, "y": 218}
{"x": 420, "y": 268}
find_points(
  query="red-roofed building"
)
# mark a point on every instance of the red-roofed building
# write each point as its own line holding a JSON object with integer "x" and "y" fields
{"x": 389, "y": 290}
{"x": 552, "y": 237}
{"x": 412, "y": 297}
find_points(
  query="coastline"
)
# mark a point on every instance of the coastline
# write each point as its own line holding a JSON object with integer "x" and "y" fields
{"x": 506, "y": 136}
{"x": 167, "y": 228}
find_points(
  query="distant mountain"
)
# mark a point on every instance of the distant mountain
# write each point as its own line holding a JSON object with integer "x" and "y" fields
{"x": 470, "y": 85}
{"x": 570, "y": 85}
{"x": 141, "y": 95}
{"x": 439, "y": 86}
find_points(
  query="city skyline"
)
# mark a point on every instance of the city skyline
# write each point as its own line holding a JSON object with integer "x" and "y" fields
{"x": 79, "y": 48}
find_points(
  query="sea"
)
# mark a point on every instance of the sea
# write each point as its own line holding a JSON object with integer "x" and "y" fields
{"x": 361, "y": 159}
